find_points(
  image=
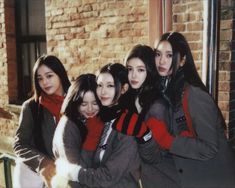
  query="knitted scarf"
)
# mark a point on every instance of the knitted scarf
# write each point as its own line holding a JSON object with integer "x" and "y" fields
{"x": 109, "y": 113}
{"x": 52, "y": 103}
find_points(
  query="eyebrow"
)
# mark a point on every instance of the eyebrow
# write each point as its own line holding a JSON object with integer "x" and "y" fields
{"x": 110, "y": 82}
{"x": 49, "y": 72}
{"x": 161, "y": 52}
{"x": 139, "y": 66}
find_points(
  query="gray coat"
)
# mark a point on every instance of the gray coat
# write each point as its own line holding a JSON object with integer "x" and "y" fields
{"x": 24, "y": 146}
{"x": 67, "y": 144}
{"x": 204, "y": 161}
{"x": 119, "y": 167}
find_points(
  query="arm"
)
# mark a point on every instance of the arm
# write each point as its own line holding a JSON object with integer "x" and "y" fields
{"x": 207, "y": 123}
{"x": 150, "y": 152}
{"x": 23, "y": 145}
{"x": 125, "y": 150}
{"x": 67, "y": 141}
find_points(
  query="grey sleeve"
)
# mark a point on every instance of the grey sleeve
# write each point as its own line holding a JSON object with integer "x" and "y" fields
{"x": 157, "y": 110}
{"x": 67, "y": 141}
{"x": 206, "y": 121}
{"x": 150, "y": 152}
{"x": 23, "y": 145}
{"x": 117, "y": 164}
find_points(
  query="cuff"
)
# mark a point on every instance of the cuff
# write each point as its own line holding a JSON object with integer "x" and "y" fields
{"x": 68, "y": 170}
{"x": 73, "y": 174}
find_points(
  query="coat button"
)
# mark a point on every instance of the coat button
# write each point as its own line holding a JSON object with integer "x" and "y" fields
{"x": 180, "y": 170}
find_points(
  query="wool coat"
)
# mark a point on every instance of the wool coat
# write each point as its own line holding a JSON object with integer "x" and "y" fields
{"x": 24, "y": 145}
{"x": 119, "y": 166}
{"x": 205, "y": 160}
{"x": 67, "y": 144}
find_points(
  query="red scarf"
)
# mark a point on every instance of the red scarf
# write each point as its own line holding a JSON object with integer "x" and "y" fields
{"x": 52, "y": 103}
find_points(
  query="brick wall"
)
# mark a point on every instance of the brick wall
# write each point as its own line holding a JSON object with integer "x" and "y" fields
{"x": 8, "y": 113}
{"x": 188, "y": 19}
{"x": 226, "y": 62}
{"x": 85, "y": 35}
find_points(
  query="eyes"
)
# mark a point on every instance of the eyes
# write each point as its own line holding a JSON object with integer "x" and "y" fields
{"x": 48, "y": 76}
{"x": 108, "y": 85}
{"x": 84, "y": 104}
{"x": 167, "y": 54}
{"x": 139, "y": 69}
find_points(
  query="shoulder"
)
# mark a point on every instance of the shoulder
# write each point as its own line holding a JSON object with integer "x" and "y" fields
{"x": 157, "y": 109}
{"x": 29, "y": 107}
{"x": 197, "y": 95}
{"x": 67, "y": 128}
{"x": 66, "y": 124}
{"x": 158, "y": 104}
{"x": 200, "y": 101}
{"x": 28, "y": 103}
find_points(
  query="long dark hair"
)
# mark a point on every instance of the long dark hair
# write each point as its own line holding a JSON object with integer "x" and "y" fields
{"x": 74, "y": 98}
{"x": 56, "y": 66}
{"x": 147, "y": 56}
{"x": 181, "y": 49}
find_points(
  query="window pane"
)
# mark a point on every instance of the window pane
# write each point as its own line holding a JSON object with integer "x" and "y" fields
{"x": 36, "y": 13}
{"x": 23, "y": 16}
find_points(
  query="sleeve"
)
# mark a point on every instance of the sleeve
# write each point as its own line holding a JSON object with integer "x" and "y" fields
{"x": 23, "y": 145}
{"x": 150, "y": 152}
{"x": 111, "y": 172}
{"x": 158, "y": 110}
{"x": 206, "y": 121}
{"x": 67, "y": 141}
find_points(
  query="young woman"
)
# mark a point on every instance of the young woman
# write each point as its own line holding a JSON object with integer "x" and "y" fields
{"x": 79, "y": 128}
{"x": 142, "y": 75}
{"x": 116, "y": 161}
{"x": 140, "y": 63}
{"x": 39, "y": 117}
{"x": 187, "y": 124}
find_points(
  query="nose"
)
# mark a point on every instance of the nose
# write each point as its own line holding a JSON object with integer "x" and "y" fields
{"x": 103, "y": 91}
{"x": 161, "y": 60}
{"x": 90, "y": 108}
{"x": 44, "y": 81}
{"x": 133, "y": 74}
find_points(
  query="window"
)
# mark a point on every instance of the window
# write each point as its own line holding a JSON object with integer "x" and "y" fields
{"x": 30, "y": 41}
{"x": 160, "y": 18}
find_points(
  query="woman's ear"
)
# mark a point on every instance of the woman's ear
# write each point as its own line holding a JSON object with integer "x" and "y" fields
{"x": 124, "y": 89}
{"x": 182, "y": 61}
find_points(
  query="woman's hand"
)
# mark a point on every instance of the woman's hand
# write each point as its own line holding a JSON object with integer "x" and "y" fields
{"x": 47, "y": 170}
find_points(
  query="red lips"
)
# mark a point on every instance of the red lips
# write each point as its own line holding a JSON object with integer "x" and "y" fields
{"x": 133, "y": 82}
{"x": 161, "y": 69}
